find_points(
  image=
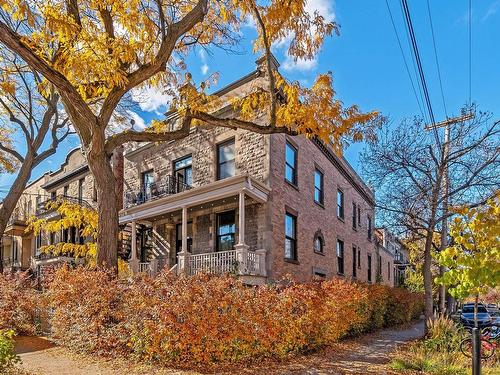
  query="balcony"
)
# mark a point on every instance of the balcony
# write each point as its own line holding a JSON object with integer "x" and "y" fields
{"x": 46, "y": 208}
{"x": 160, "y": 189}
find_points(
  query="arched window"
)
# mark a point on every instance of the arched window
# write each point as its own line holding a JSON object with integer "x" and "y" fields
{"x": 318, "y": 242}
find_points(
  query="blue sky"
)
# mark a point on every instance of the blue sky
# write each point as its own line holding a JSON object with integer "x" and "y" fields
{"x": 366, "y": 62}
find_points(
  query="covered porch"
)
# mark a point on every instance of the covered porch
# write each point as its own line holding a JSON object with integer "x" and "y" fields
{"x": 214, "y": 228}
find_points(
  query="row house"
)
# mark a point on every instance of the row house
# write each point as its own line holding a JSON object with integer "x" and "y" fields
{"x": 20, "y": 249}
{"x": 394, "y": 252}
{"x": 222, "y": 200}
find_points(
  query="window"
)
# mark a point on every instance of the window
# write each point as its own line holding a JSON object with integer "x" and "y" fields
{"x": 38, "y": 242}
{"x": 291, "y": 164}
{"x": 340, "y": 256}
{"x": 147, "y": 179}
{"x": 318, "y": 243}
{"x": 359, "y": 257}
{"x": 226, "y": 230}
{"x": 52, "y": 238}
{"x": 379, "y": 266}
{"x": 354, "y": 212}
{"x": 369, "y": 226}
{"x": 80, "y": 189}
{"x": 340, "y": 204}
{"x": 290, "y": 237}
{"x": 183, "y": 172}
{"x": 178, "y": 237}
{"x": 14, "y": 250}
{"x": 320, "y": 274}
{"x": 65, "y": 191}
{"x": 225, "y": 160}
{"x": 359, "y": 216}
{"x": 53, "y": 194}
{"x": 318, "y": 186}
{"x": 389, "y": 271}
{"x": 369, "y": 268}
{"x": 354, "y": 261}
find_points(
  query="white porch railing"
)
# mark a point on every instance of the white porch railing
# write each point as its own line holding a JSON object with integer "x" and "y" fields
{"x": 232, "y": 261}
{"x": 218, "y": 262}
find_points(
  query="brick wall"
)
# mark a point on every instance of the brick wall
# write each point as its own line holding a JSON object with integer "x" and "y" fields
{"x": 312, "y": 217}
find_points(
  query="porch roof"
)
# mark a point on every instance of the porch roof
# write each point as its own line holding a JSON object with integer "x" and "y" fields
{"x": 198, "y": 195}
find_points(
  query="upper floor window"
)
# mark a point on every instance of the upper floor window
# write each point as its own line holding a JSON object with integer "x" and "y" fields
{"x": 354, "y": 215}
{"x": 340, "y": 204}
{"x": 147, "y": 178}
{"x": 291, "y": 164}
{"x": 225, "y": 160}
{"x": 66, "y": 191}
{"x": 340, "y": 256}
{"x": 359, "y": 216}
{"x": 183, "y": 171}
{"x": 290, "y": 236}
{"x": 80, "y": 188}
{"x": 318, "y": 186}
{"x": 53, "y": 194}
{"x": 369, "y": 226}
{"x": 226, "y": 230}
{"x": 389, "y": 271}
{"x": 359, "y": 257}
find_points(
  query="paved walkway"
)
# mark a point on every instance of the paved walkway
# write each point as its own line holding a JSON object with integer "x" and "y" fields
{"x": 366, "y": 355}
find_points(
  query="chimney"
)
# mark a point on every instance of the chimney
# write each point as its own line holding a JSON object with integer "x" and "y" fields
{"x": 117, "y": 164}
{"x": 262, "y": 63}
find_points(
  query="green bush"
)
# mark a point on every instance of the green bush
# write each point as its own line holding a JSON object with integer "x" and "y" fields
{"x": 7, "y": 356}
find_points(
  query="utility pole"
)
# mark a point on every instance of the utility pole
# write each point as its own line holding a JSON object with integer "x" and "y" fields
{"x": 446, "y": 186}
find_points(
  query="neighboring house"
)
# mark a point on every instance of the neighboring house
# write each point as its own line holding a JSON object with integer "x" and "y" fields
{"x": 72, "y": 181}
{"x": 222, "y": 200}
{"x": 399, "y": 253}
{"x": 385, "y": 260}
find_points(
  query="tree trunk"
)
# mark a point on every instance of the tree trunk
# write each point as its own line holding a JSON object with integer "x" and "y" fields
{"x": 15, "y": 192}
{"x": 107, "y": 201}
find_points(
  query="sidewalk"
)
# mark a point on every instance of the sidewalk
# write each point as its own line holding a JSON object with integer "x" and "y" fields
{"x": 364, "y": 355}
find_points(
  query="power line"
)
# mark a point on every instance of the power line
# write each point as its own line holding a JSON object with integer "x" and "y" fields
{"x": 404, "y": 58}
{"x": 416, "y": 54}
{"x": 437, "y": 60}
{"x": 470, "y": 52}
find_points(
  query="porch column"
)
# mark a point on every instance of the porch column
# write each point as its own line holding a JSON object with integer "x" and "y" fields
{"x": 241, "y": 221}
{"x": 241, "y": 247}
{"x": 183, "y": 257}
{"x": 134, "y": 263}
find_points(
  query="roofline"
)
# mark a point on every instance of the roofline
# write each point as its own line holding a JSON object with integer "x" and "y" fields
{"x": 360, "y": 186}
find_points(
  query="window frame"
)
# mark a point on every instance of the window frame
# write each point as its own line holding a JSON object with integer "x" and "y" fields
{"x": 219, "y": 163}
{"x": 319, "y": 237}
{"x": 341, "y": 205}
{"x": 231, "y": 234}
{"x": 294, "y": 255}
{"x": 340, "y": 259}
{"x": 369, "y": 227}
{"x": 81, "y": 182}
{"x": 321, "y": 188}
{"x": 176, "y": 170}
{"x": 292, "y": 167}
{"x": 355, "y": 265}
{"x": 354, "y": 216}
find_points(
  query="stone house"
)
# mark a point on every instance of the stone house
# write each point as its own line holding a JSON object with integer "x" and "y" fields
{"x": 73, "y": 180}
{"x": 398, "y": 252}
{"x": 223, "y": 200}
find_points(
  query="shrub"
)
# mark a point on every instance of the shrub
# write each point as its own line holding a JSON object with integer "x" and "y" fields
{"x": 210, "y": 319}
{"x": 7, "y": 356}
{"x": 18, "y": 303}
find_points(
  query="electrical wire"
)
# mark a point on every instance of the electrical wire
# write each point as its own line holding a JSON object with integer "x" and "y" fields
{"x": 470, "y": 52}
{"x": 404, "y": 58}
{"x": 437, "y": 59}
{"x": 418, "y": 61}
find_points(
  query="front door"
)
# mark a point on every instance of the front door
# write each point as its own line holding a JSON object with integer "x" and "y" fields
{"x": 178, "y": 237}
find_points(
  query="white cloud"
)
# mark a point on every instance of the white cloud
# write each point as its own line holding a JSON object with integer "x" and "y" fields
{"x": 492, "y": 9}
{"x": 151, "y": 99}
{"x": 324, "y": 8}
{"x": 203, "y": 58}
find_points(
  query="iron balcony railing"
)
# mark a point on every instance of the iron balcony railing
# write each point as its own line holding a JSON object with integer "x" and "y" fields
{"x": 45, "y": 207}
{"x": 168, "y": 186}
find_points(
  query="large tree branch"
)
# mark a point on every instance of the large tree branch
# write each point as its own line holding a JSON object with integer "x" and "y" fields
{"x": 146, "y": 71}
{"x": 12, "y": 152}
{"x": 74, "y": 103}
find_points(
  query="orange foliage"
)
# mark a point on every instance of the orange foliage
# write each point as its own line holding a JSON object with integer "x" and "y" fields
{"x": 214, "y": 319}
